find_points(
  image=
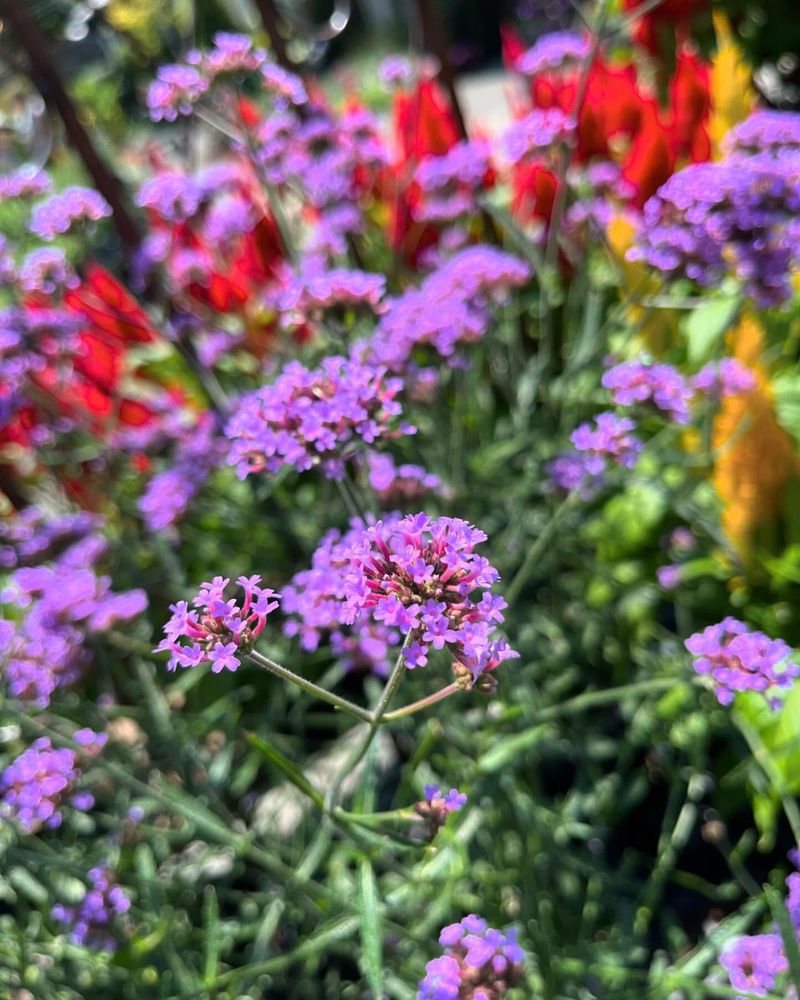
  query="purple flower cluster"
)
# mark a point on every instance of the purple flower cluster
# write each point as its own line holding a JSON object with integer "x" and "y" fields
{"x": 437, "y": 806}
{"x": 91, "y": 922}
{"x": 309, "y": 418}
{"x": 553, "y": 51}
{"x": 398, "y": 485}
{"x": 710, "y": 215}
{"x": 230, "y": 54}
{"x": 317, "y": 289}
{"x": 47, "y": 270}
{"x": 479, "y": 963}
{"x": 411, "y": 575}
{"x": 637, "y": 382}
{"x": 737, "y": 659}
{"x": 58, "y": 607}
{"x": 313, "y": 604}
{"x": 417, "y": 575}
{"x": 56, "y": 215}
{"x": 450, "y": 182}
{"x": 174, "y": 91}
{"x": 534, "y": 132}
{"x": 764, "y": 132}
{"x": 754, "y": 962}
{"x": 169, "y": 494}
{"x": 23, "y": 183}
{"x": 395, "y": 71}
{"x": 217, "y": 631}
{"x": 31, "y": 535}
{"x": 38, "y": 783}
{"x": 609, "y": 441}
{"x": 728, "y": 377}
{"x": 172, "y": 195}
{"x": 30, "y": 341}
{"x": 453, "y": 306}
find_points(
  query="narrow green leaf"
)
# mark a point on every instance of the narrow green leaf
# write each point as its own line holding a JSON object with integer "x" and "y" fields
{"x": 290, "y": 770}
{"x": 782, "y": 919}
{"x": 213, "y": 940}
{"x": 371, "y": 930}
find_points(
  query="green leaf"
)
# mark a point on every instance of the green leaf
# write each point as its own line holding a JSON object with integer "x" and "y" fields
{"x": 290, "y": 770}
{"x": 786, "y": 388}
{"x": 706, "y": 325}
{"x": 371, "y": 929}
{"x": 782, "y": 919}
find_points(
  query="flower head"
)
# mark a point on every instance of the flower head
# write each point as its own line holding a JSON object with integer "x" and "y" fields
{"x": 553, "y": 51}
{"x": 638, "y": 382}
{"x": 754, "y": 962}
{"x": 479, "y": 963}
{"x": 737, "y": 659}
{"x": 58, "y": 213}
{"x": 217, "y": 630}
{"x": 309, "y": 418}
{"x": 37, "y": 784}
{"x": 91, "y": 922}
{"x": 609, "y": 439}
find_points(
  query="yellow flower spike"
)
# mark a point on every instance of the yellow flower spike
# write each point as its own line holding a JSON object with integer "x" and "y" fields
{"x": 658, "y": 327}
{"x": 755, "y": 455}
{"x": 732, "y": 94}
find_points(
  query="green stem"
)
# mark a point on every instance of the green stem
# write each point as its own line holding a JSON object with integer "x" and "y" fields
{"x": 375, "y": 718}
{"x": 423, "y": 703}
{"x": 310, "y": 687}
{"x": 538, "y": 547}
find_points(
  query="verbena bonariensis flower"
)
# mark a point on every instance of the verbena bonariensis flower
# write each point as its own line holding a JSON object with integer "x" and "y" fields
{"x": 637, "y": 382}
{"x": 437, "y": 806}
{"x": 764, "y": 131}
{"x": 175, "y": 91}
{"x": 710, "y": 218}
{"x": 41, "y": 781}
{"x": 24, "y": 183}
{"x": 418, "y": 574}
{"x": 285, "y": 87}
{"x": 309, "y": 418}
{"x": 313, "y": 600}
{"x": 754, "y": 962}
{"x": 47, "y": 270}
{"x": 449, "y": 182}
{"x": 668, "y": 576}
{"x": 453, "y": 306}
{"x": 217, "y": 631}
{"x": 59, "y": 607}
{"x": 56, "y": 215}
{"x": 479, "y": 963}
{"x": 611, "y": 439}
{"x": 397, "y": 485}
{"x": 569, "y": 472}
{"x": 92, "y": 921}
{"x": 412, "y": 575}
{"x": 728, "y": 377}
{"x": 553, "y": 51}
{"x": 535, "y": 132}
{"x": 317, "y": 289}
{"x": 395, "y": 70}
{"x": 172, "y": 195}
{"x": 230, "y": 54}
{"x": 737, "y": 659}
{"x": 168, "y": 494}
{"x": 31, "y": 535}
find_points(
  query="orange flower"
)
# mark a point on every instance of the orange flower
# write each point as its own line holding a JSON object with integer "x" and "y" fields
{"x": 756, "y": 457}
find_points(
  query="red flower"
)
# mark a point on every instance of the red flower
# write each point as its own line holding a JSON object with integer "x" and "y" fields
{"x": 690, "y": 100}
